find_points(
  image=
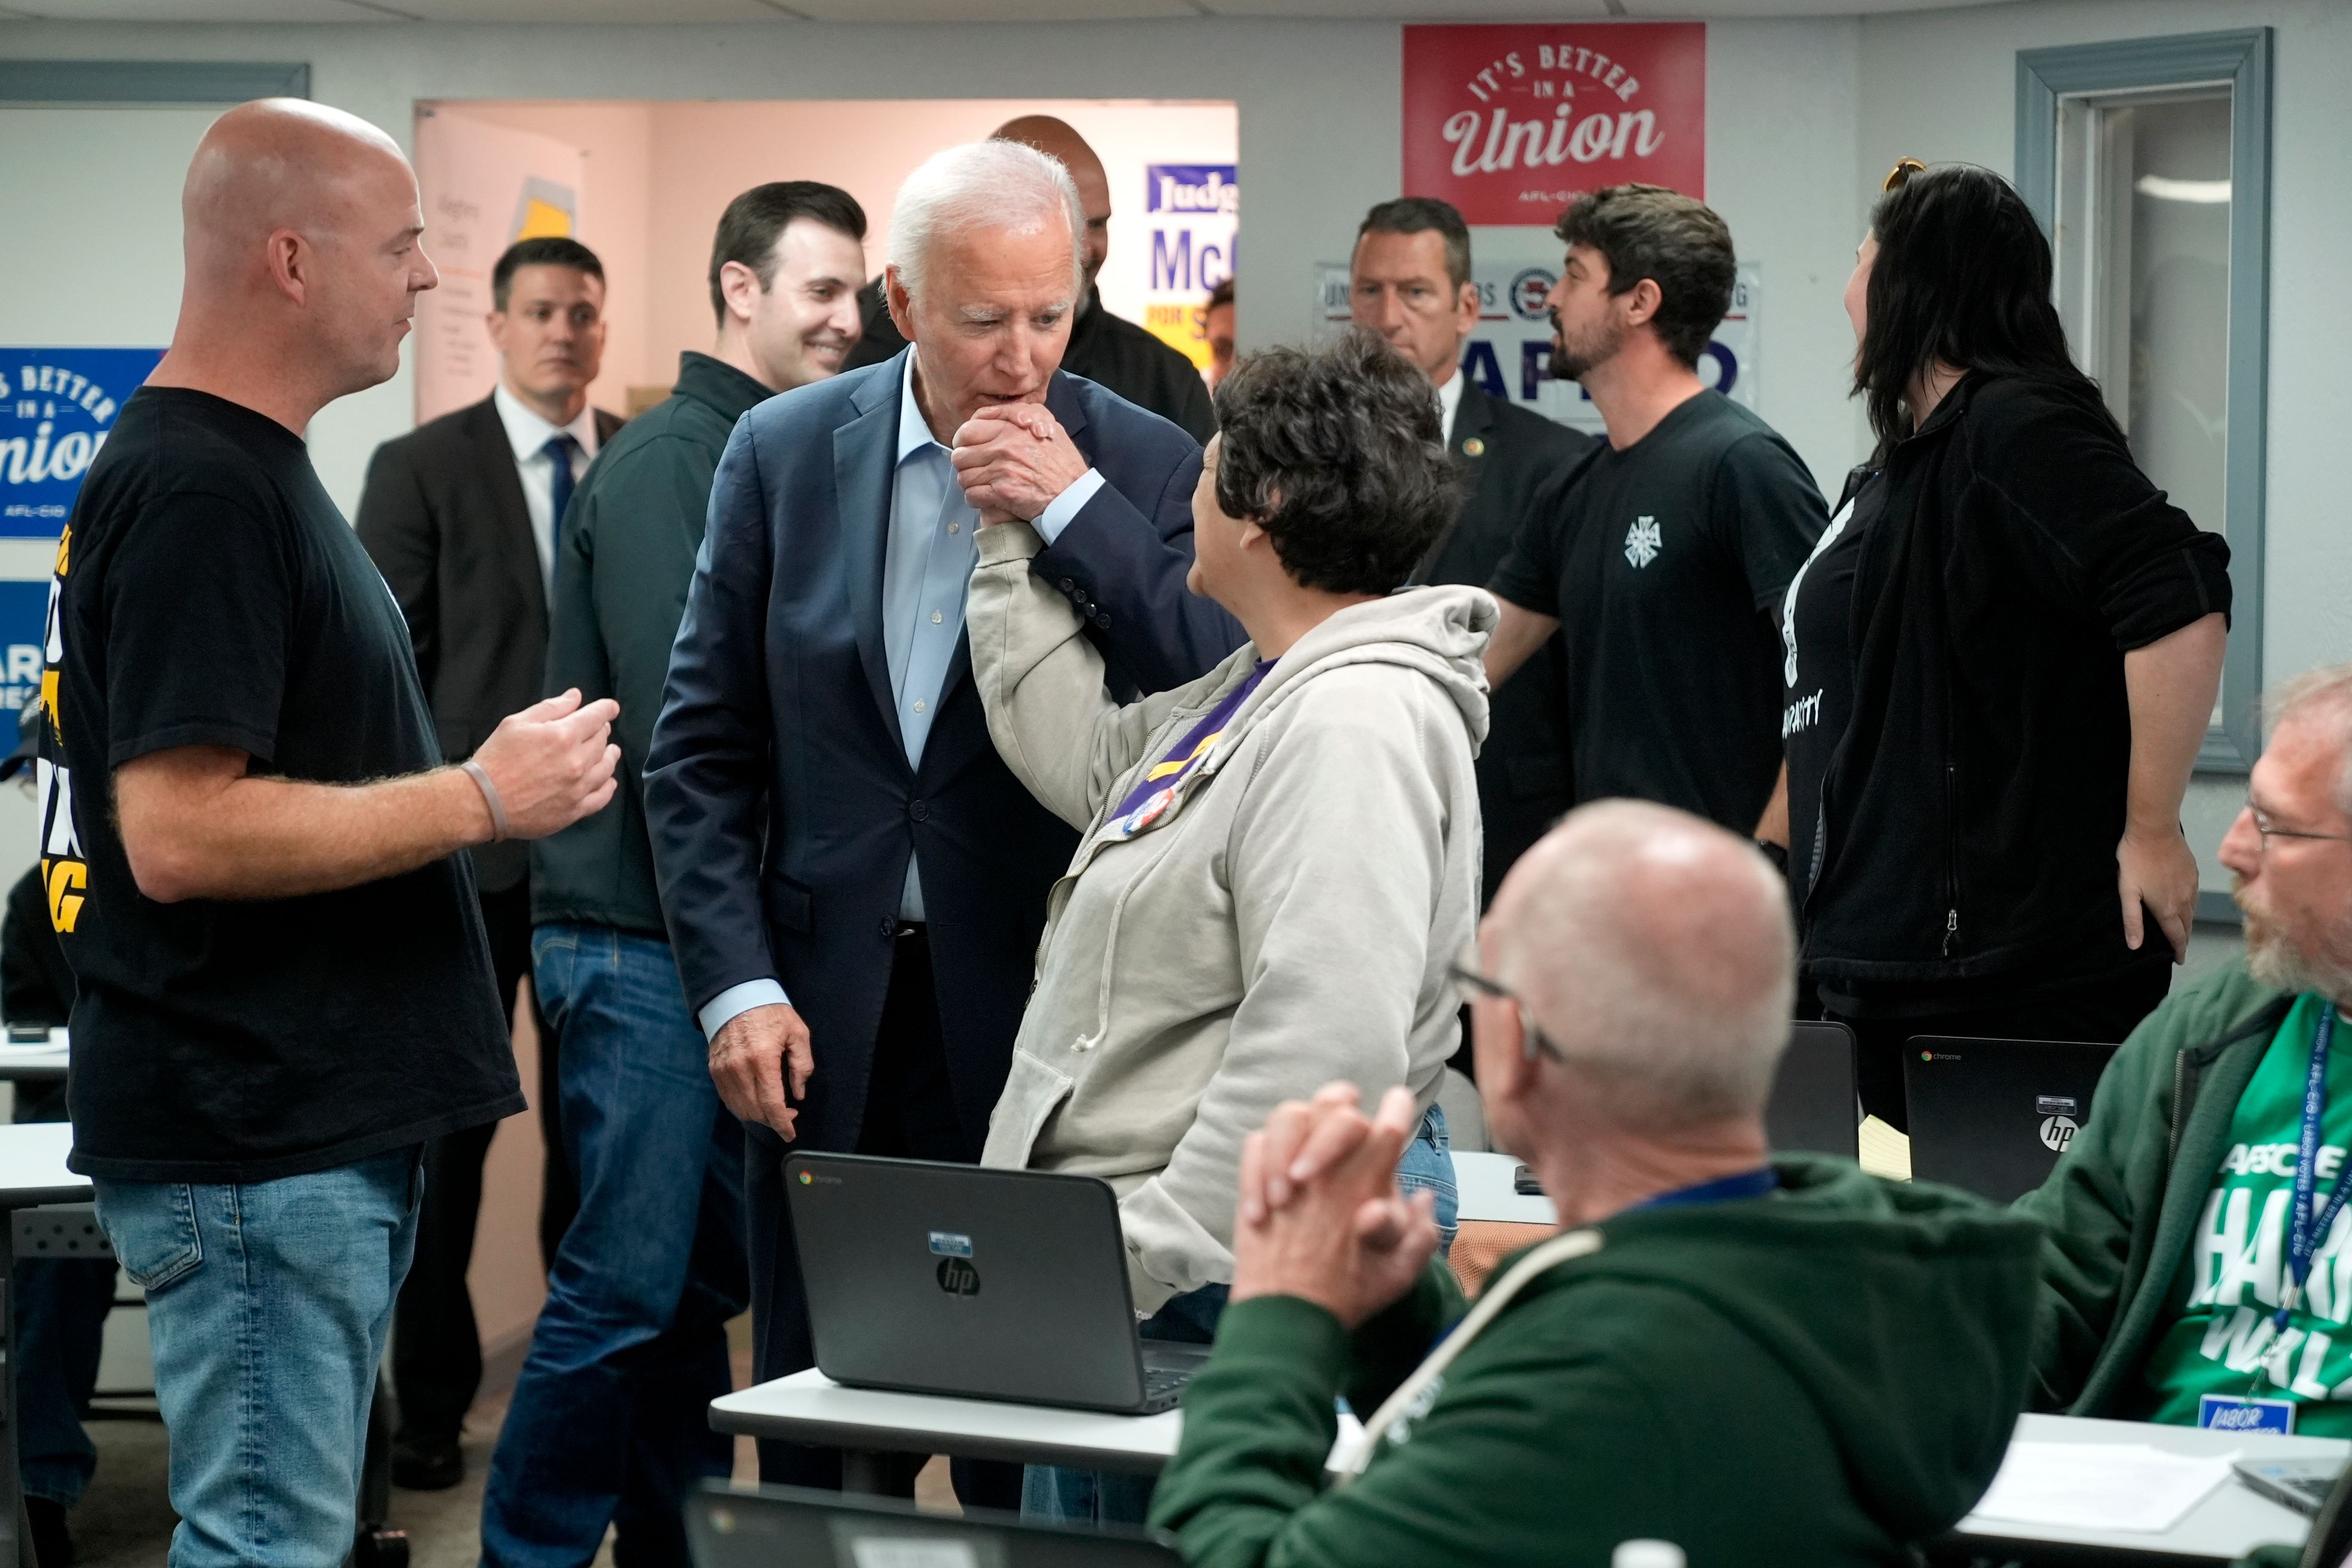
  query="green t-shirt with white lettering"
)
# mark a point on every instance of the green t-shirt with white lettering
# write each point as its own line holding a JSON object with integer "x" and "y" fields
{"x": 2230, "y": 1279}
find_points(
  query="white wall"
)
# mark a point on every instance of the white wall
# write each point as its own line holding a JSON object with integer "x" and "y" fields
{"x": 1319, "y": 136}
{"x": 1943, "y": 86}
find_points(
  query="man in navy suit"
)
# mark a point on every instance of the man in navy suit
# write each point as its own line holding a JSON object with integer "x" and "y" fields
{"x": 854, "y": 881}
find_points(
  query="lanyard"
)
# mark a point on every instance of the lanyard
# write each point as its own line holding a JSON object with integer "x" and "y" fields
{"x": 2308, "y": 1227}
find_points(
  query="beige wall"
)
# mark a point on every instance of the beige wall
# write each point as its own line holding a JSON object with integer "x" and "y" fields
{"x": 660, "y": 174}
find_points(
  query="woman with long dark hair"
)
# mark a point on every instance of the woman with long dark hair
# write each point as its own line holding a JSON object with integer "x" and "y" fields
{"x": 2000, "y": 661}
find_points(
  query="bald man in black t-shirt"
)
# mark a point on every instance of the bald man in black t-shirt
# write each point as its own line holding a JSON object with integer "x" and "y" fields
{"x": 250, "y": 849}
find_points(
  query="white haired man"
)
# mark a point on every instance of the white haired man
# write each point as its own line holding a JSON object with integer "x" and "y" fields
{"x": 1761, "y": 1360}
{"x": 839, "y": 848}
{"x": 2199, "y": 1263}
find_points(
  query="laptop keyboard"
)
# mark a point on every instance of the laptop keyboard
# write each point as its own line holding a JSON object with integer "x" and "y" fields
{"x": 1163, "y": 1384}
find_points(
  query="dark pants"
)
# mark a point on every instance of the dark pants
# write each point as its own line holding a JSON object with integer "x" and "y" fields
{"x": 911, "y": 1114}
{"x": 2106, "y": 1008}
{"x": 61, "y": 1307}
{"x": 436, "y": 1348}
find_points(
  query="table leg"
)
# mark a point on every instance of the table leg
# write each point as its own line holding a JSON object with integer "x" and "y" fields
{"x": 861, "y": 1471}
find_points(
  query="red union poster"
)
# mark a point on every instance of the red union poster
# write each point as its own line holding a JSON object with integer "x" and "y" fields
{"x": 1508, "y": 122}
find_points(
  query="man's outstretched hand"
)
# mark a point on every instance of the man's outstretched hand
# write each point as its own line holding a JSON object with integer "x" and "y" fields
{"x": 552, "y": 762}
{"x": 1342, "y": 1236}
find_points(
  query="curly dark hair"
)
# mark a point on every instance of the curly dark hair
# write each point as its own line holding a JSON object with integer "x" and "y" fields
{"x": 1336, "y": 452}
{"x": 1649, "y": 231}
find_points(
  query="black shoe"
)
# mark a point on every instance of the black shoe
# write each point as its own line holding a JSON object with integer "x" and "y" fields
{"x": 428, "y": 1464}
{"x": 52, "y": 1547}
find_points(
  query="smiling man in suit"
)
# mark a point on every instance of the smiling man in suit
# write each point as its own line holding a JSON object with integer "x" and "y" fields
{"x": 1409, "y": 281}
{"x": 854, "y": 881}
{"x": 463, "y": 516}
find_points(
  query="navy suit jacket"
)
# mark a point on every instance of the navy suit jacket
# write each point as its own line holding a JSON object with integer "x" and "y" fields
{"x": 778, "y": 796}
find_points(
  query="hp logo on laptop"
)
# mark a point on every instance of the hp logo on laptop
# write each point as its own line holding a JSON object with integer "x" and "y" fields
{"x": 2057, "y": 1132}
{"x": 959, "y": 1278}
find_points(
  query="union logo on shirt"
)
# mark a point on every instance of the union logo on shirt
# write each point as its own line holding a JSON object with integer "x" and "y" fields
{"x": 1642, "y": 542}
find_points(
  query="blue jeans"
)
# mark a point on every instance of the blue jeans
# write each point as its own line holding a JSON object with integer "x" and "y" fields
{"x": 268, "y": 1307}
{"x": 1105, "y": 1496}
{"x": 610, "y": 1421}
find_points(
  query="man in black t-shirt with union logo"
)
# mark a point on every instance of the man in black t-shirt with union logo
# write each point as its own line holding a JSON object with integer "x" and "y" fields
{"x": 250, "y": 847}
{"x": 1661, "y": 558}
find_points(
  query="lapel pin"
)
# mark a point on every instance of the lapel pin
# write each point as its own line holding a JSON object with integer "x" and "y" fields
{"x": 1475, "y": 446}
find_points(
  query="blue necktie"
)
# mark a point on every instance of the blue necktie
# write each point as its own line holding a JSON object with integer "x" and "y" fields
{"x": 559, "y": 452}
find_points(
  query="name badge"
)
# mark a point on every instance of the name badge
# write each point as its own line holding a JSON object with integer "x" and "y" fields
{"x": 2226, "y": 1413}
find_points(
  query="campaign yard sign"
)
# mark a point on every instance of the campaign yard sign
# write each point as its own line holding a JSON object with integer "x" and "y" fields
{"x": 1508, "y": 353}
{"x": 1510, "y": 122}
{"x": 1193, "y": 211}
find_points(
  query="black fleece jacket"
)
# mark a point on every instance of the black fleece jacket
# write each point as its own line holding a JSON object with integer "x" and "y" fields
{"x": 1970, "y": 815}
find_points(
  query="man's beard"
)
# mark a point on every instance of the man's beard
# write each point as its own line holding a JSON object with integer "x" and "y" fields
{"x": 2273, "y": 959}
{"x": 1570, "y": 362}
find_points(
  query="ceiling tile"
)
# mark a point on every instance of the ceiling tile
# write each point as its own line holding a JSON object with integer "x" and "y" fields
{"x": 590, "y": 11}
{"x": 1728, "y": 10}
{"x": 224, "y": 11}
{"x": 1415, "y": 10}
{"x": 991, "y": 10}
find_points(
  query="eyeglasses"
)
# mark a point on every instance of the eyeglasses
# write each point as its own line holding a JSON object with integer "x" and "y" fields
{"x": 2262, "y": 826}
{"x": 1900, "y": 175}
{"x": 1473, "y": 986}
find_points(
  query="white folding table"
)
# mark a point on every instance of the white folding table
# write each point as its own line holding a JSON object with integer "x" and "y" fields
{"x": 37, "y": 1061}
{"x": 809, "y": 1407}
{"x": 1482, "y": 1184}
{"x": 2229, "y": 1523}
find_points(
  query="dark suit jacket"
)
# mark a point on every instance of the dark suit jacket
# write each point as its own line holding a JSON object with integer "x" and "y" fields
{"x": 777, "y": 791}
{"x": 443, "y": 517}
{"x": 1109, "y": 351}
{"x": 1506, "y": 454}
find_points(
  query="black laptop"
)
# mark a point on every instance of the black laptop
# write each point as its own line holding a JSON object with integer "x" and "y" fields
{"x": 1814, "y": 1107}
{"x": 1993, "y": 1116}
{"x": 941, "y": 1278}
{"x": 786, "y": 1527}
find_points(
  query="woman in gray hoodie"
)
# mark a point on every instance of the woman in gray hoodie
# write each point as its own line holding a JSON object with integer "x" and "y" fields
{"x": 1277, "y": 861}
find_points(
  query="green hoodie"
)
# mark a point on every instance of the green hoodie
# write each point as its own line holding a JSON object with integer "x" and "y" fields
{"x": 2124, "y": 1202}
{"x": 1822, "y": 1375}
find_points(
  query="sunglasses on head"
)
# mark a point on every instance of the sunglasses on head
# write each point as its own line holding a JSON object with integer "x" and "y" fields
{"x": 1900, "y": 175}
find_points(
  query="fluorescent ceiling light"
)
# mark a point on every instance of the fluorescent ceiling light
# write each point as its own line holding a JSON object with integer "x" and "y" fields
{"x": 2203, "y": 191}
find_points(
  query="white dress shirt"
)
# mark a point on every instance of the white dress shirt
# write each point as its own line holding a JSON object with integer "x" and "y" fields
{"x": 529, "y": 434}
{"x": 926, "y": 561}
{"x": 1449, "y": 402}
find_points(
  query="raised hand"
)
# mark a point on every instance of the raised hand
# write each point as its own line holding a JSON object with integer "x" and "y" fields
{"x": 1012, "y": 459}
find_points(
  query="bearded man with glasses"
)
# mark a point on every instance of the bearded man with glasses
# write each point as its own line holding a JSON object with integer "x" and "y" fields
{"x": 2199, "y": 1269}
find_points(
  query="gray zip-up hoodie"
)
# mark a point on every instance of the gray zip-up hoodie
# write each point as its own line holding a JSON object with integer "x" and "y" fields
{"x": 1283, "y": 919}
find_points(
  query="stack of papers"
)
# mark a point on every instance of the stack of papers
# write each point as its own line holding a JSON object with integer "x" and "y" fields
{"x": 2127, "y": 1487}
{"x": 1884, "y": 1152}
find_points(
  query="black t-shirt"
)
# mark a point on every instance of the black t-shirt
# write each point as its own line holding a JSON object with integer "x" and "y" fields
{"x": 1817, "y": 671}
{"x": 209, "y": 593}
{"x": 1665, "y": 565}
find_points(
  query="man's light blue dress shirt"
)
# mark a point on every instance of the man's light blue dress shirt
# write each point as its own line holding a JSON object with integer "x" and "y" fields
{"x": 926, "y": 565}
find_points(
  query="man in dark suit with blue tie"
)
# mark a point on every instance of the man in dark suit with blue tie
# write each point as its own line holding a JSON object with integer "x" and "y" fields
{"x": 853, "y": 879}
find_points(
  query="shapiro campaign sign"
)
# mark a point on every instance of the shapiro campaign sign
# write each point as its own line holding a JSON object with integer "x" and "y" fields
{"x": 1510, "y": 122}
